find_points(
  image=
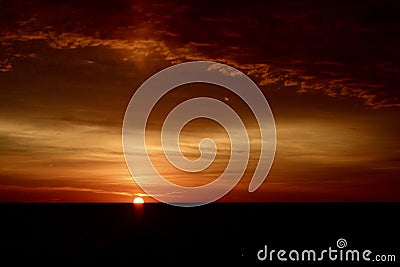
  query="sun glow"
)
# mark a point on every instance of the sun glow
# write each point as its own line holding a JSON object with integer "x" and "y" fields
{"x": 138, "y": 200}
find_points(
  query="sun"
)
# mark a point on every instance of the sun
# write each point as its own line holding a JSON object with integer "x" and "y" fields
{"x": 138, "y": 200}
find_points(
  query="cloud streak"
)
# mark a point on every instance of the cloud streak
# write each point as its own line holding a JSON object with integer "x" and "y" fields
{"x": 325, "y": 76}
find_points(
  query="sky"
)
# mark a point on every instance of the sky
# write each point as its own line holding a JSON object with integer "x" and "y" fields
{"x": 330, "y": 71}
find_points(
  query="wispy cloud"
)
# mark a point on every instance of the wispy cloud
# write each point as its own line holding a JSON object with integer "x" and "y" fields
{"x": 65, "y": 188}
{"x": 294, "y": 74}
{"x": 224, "y": 70}
{"x": 5, "y": 65}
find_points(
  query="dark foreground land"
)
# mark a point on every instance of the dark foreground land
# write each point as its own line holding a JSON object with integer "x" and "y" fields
{"x": 124, "y": 234}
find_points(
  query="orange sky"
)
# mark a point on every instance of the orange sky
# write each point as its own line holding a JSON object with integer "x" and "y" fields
{"x": 68, "y": 71}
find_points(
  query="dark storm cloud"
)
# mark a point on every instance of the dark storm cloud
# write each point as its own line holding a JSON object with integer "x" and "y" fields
{"x": 339, "y": 48}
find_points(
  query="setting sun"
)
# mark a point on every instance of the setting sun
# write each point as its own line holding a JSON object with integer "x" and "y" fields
{"x": 138, "y": 200}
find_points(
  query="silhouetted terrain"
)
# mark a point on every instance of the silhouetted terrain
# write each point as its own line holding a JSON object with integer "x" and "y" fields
{"x": 124, "y": 233}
